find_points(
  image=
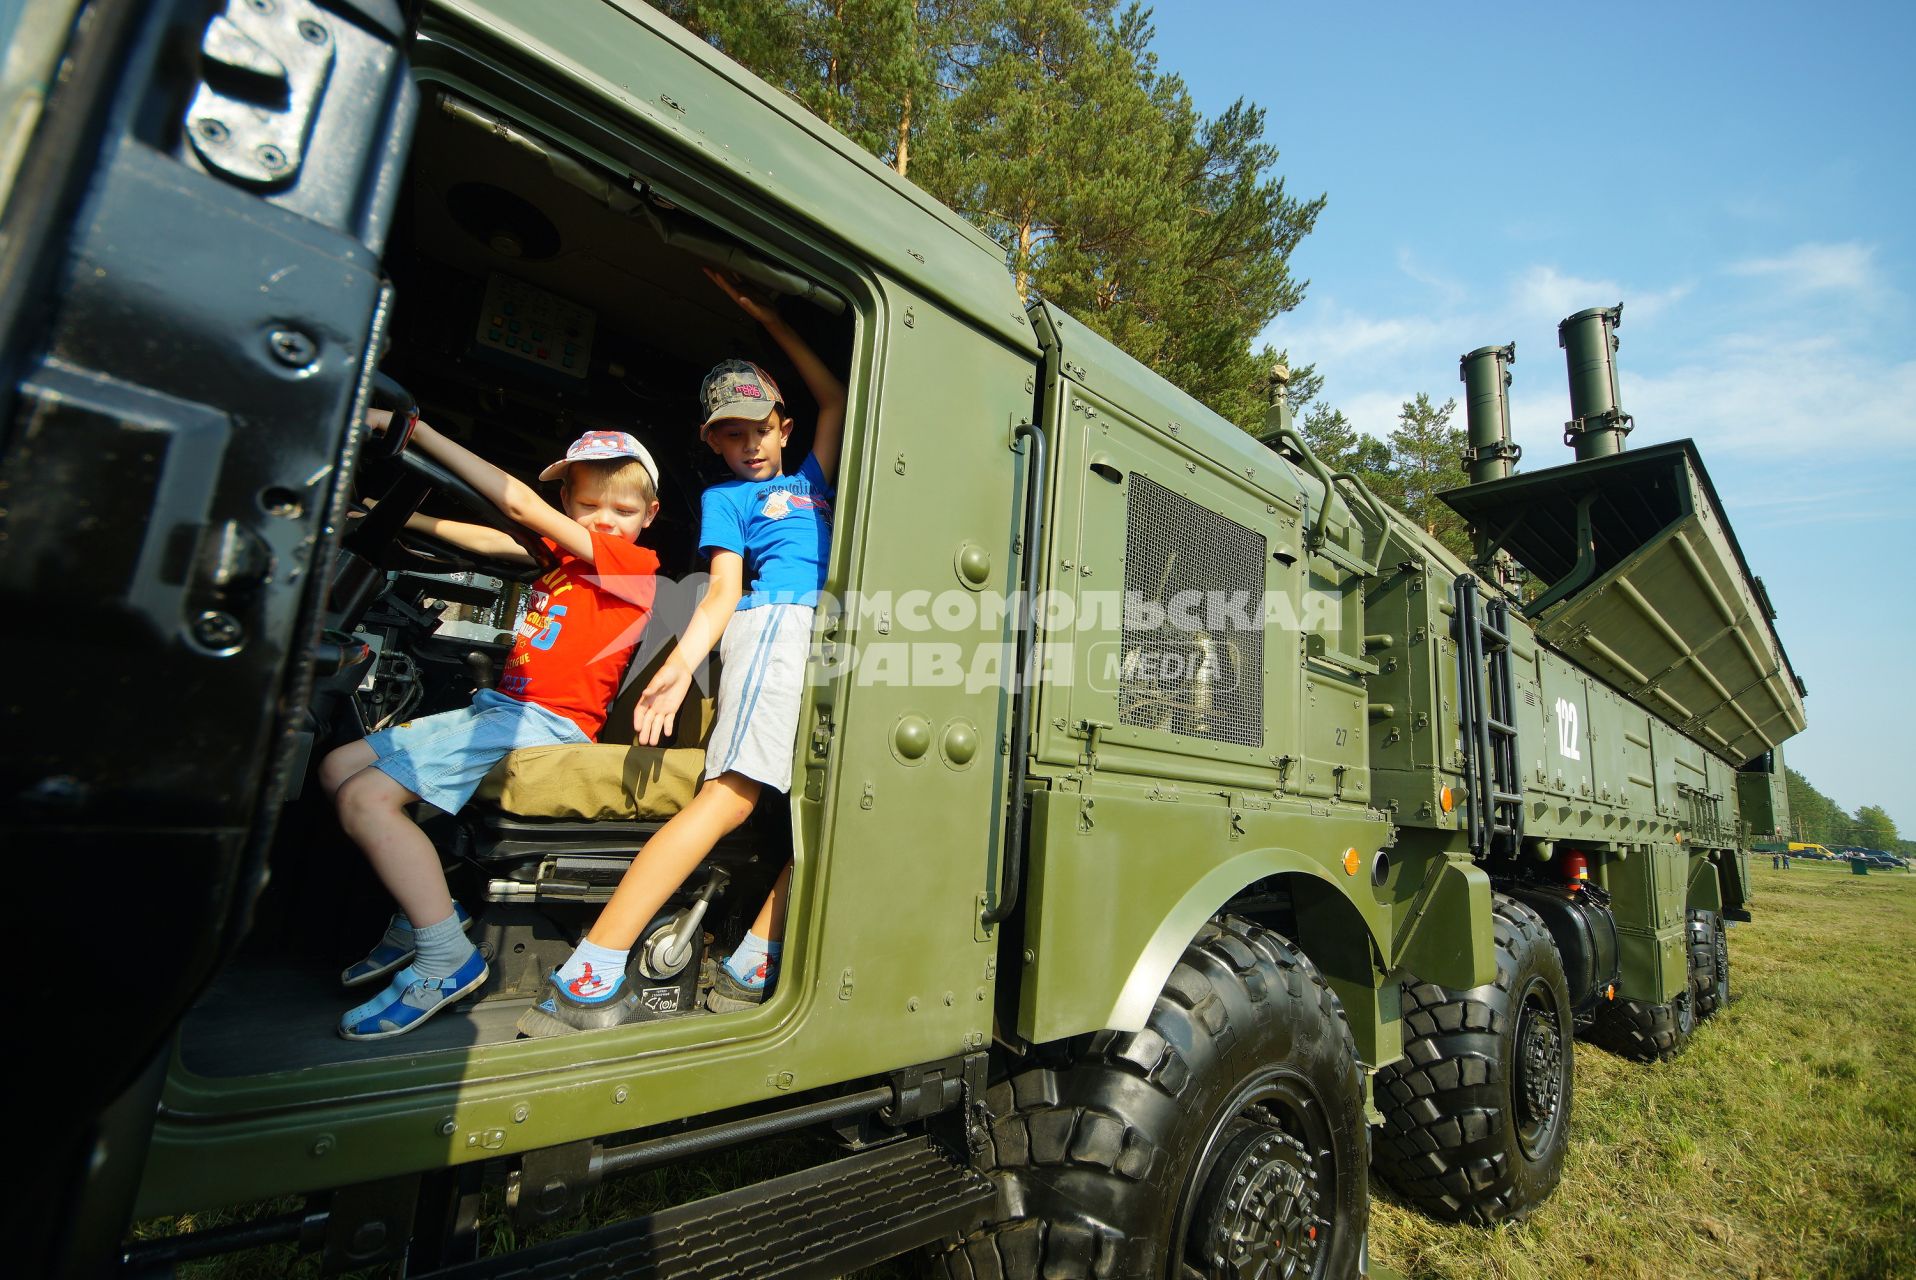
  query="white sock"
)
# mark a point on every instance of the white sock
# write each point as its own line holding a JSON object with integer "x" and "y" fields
{"x": 443, "y": 947}
{"x": 754, "y": 960}
{"x": 592, "y": 972}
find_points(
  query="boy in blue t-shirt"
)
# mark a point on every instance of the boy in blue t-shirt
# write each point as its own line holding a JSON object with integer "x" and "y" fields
{"x": 768, "y": 535}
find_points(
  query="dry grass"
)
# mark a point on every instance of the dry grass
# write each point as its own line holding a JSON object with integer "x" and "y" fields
{"x": 1782, "y": 1143}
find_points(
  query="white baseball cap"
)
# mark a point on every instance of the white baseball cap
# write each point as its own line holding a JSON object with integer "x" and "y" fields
{"x": 594, "y": 445}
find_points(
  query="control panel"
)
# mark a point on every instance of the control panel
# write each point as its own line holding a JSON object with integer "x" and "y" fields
{"x": 523, "y": 320}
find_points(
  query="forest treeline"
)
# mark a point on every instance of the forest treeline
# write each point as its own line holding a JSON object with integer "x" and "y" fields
{"x": 1817, "y": 818}
{"x": 1050, "y": 125}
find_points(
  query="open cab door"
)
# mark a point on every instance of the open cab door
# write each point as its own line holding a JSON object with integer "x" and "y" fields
{"x": 190, "y": 300}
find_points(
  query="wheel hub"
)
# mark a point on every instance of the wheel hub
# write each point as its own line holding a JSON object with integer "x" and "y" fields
{"x": 1258, "y": 1216}
{"x": 1539, "y": 1083}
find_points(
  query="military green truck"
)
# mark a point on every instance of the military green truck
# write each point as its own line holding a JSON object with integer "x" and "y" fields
{"x": 1179, "y": 833}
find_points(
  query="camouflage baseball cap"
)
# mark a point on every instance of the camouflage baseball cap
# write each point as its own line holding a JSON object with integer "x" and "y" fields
{"x": 738, "y": 389}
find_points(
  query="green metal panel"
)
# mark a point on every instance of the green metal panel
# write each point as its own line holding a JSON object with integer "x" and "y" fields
{"x": 1648, "y": 893}
{"x": 1413, "y": 696}
{"x": 1091, "y": 362}
{"x": 1402, "y": 689}
{"x": 1622, "y": 789}
{"x": 1753, "y": 805}
{"x": 916, "y": 720}
{"x": 1101, "y": 452}
{"x": 1607, "y": 746}
{"x": 1536, "y": 726}
{"x": 1666, "y": 744}
{"x": 1715, "y": 823}
{"x": 1763, "y": 800}
{"x": 1564, "y": 754}
{"x": 1333, "y": 761}
{"x": 1637, "y": 770}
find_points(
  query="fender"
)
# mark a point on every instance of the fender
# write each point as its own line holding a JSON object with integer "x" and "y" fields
{"x": 1090, "y": 900}
{"x": 1706, "y": 883}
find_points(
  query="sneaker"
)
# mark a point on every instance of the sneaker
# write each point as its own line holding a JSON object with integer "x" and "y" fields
{"x": 561, "y": 1013}
{"x": 729, "y": 995}
{"x": 394, "y": 952}
{"x": 411, "y": 999}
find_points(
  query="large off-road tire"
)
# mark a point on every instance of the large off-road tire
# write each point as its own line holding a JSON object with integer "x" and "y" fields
{"x": 1709, "y": 962}
{"x": 1477, "y": 1111}
{"x": 1646, "y": 1032}
{"x": 1225, "y": 1139}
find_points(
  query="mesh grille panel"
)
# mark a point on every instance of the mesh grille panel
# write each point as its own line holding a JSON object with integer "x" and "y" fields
{"x": 1192, "y": 658}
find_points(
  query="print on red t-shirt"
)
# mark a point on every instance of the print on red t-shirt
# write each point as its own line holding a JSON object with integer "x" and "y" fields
{"x": 582, "y": 623}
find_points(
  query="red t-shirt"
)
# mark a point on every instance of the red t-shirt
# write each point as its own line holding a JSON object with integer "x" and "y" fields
{"x": 583, "y": 622}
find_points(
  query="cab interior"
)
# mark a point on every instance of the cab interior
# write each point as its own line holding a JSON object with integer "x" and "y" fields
{"x": 536, "y": 295}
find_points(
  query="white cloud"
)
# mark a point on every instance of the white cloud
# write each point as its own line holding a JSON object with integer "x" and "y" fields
{"x": 1543, "y": 293}
{"x": 1336, "y": 335}
{"x": 1375, "y": 412}
{"x": 1451, "y": 291}
{"x": 1815, "y": 268}
{"x": 1705, "y": 359}
{"x": 1795, "y": 497}
{"x": 1782, "y": 395}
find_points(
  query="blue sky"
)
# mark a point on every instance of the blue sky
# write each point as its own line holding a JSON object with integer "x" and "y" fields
{"x": 1739, "y": 176}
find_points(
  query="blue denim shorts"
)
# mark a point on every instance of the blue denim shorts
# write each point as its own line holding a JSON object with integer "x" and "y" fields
{"x": 442, "y": 758}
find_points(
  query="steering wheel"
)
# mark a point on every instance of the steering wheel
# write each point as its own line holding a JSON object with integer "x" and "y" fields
{"x": 381, "y": 536}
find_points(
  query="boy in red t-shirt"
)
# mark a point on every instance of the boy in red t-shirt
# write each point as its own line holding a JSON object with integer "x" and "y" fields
{"x": 582, "y": 622}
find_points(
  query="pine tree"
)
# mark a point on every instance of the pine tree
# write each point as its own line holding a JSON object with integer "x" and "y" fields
{"x": 1049, "y": 124}
{"x": 868, "y": 68}
{"x": 1424, "y": 449}
{"x": 1815, "y": 816}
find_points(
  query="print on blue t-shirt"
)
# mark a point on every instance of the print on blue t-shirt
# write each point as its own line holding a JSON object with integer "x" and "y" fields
{"x": 782, "y": 527}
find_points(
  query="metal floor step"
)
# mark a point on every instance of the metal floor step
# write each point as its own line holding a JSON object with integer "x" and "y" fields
{"x": 820, "y": 1222}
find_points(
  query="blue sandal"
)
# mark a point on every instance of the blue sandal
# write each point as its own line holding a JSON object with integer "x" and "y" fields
{"x": 411, "y": 999}
{"x": 394, "y": 952}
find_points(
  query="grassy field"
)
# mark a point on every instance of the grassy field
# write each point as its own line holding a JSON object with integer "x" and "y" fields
{"x": 1781, "y": 1144}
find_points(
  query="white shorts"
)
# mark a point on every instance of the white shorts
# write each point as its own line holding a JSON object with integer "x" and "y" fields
{"x": 762, "y": 656}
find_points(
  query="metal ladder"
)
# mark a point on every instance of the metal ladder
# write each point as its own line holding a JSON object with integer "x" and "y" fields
{"x": 1487, "y": 716}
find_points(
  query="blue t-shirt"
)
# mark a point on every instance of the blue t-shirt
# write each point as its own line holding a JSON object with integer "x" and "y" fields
{"x": 782, "y": 527}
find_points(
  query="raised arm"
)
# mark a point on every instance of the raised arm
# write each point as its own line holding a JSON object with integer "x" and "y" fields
{"x": 518, "y": 500}
{"x": 824, "y": 385}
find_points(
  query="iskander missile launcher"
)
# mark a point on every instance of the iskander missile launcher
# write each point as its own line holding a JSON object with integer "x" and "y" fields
{"x": 1258, "y": 841}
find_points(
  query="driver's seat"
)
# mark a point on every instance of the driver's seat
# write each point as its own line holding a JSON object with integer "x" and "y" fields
{"x": 561, "y": 824}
